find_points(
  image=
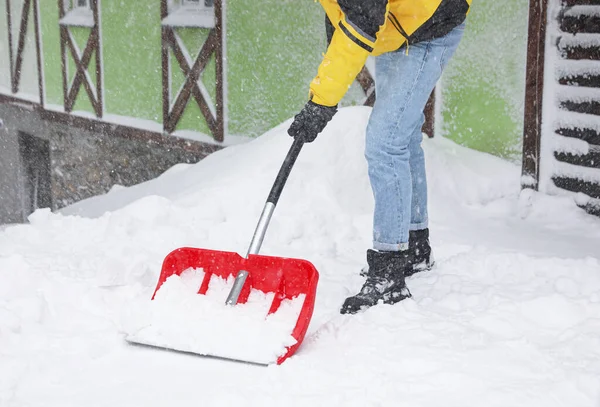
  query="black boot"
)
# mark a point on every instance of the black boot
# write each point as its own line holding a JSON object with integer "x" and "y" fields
{"x": 420, "y": 256}
{"x": 385, "y": 282}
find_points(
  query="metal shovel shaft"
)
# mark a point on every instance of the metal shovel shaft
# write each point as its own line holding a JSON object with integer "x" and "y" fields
{"x": 257, "y": 239}
{"x": 265, "y": 217}
{"x": 261, "y": 228}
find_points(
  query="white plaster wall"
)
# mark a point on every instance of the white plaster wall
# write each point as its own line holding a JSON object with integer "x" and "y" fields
{"x": 4, "y": 65}
{"x": 29, "y": 76}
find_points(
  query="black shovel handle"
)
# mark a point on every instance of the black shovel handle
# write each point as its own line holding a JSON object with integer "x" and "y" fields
{"x": 265, "y": 217}
{"x": 285, "y": 170}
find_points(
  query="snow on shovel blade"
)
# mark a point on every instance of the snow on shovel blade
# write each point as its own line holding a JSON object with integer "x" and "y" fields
{"x": 266, "y": 326}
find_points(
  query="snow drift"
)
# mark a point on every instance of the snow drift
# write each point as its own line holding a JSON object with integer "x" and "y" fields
{"x": 510, "y": 315}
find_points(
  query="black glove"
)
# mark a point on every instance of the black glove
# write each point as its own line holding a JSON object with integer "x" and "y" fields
{"x": 311, "y": 120}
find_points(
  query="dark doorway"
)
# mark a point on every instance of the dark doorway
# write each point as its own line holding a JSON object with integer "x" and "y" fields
{"x": 35, "y": 167}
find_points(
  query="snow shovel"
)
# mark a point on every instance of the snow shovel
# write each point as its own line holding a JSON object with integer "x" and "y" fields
{"x": 285, "y": 278}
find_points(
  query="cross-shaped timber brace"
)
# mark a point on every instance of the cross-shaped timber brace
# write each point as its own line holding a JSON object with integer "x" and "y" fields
{"x": 192, "y": 70}
{"x": 16, "y": 61}
{"x": 191, "y": 86}
{"x": 82, "y": 62}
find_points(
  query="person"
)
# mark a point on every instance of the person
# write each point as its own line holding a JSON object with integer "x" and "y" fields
{"x": 412, "y": 41}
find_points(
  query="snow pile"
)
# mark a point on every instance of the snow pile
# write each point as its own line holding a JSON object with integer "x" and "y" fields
{"x": 180, "y": 319}
{"x": 510, "y": 316}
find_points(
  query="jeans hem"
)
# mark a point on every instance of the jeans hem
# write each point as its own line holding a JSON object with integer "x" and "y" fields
{"x": 390, "y": 247}
{"x": 418, "y": 226}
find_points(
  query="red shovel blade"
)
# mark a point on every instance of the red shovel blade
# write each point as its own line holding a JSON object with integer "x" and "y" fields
{"x": 286, "y": 278}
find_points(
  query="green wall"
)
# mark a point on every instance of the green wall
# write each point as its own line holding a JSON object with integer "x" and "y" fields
{"x": 273, "y": 51}
{"x": 274, "y": 48}
{"x": 131, "y": 56}
{"x": 483, "y": 88}
{"x": 51, "y": 46}
{"x": 131, "y": 47}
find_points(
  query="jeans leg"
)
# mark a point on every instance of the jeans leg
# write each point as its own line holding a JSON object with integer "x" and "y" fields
{"x": 404, "y": 81}
{"x": 387, "y": 156}
{"x": 418, "y": 210}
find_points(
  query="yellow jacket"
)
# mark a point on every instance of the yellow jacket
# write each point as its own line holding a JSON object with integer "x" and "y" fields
{"x": 373, "y": 27}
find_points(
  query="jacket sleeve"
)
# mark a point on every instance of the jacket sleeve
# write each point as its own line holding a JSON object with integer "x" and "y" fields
{"x": 352, "y": 42}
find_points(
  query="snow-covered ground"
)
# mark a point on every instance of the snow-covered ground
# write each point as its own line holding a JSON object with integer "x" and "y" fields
{"x": 509, "y": 317}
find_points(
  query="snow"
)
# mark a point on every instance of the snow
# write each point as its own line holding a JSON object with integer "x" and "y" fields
{"x": 510, "y": 315}
{"x": 578, "y": 172}
{"x": 583, "y": 11}
{"x": 570, "y": 68}
{"x": 574, "y": 120}
{"x": 151, "y": 125}
{"x": 191, "y": 16}
{"x": 584, "y": 40}
{"x": 29, "y": 97}
{"x": 579, "y": 94}
{"x": 80, "y": 17}
{"x": 180, "y": 319}
{"x": 571, "y": 145}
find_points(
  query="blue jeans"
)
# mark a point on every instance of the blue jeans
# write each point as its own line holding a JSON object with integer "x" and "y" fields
{"x": 404, "y": 81}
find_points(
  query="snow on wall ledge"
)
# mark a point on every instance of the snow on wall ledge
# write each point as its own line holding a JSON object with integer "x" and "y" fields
{"x": 509, "y": 316}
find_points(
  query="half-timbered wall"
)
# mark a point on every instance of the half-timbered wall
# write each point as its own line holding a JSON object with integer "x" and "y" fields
{"x": 176, "y": 57}
{"x": 104, "y": 74}
{"x": 76, "y": 141}
{"x": 76, "y": 61}
{"x": 20, "y": 50}
{"x": 4, "y": 59}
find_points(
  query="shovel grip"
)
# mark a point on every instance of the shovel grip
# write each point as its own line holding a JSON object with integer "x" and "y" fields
{"x": 285, "y": 170}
